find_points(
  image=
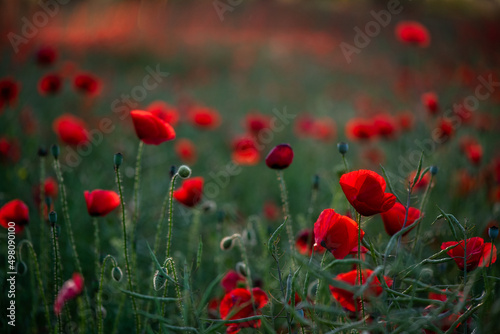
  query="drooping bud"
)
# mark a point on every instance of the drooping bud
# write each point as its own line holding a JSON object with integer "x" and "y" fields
{"x": 493, "y": 232}
{"x": 184, "y": 171}
{"x": 343, "y": 147}
{"x": 55, "y": 151}
{"x": 21, "y": 268}
{"x": 117, "y": 274}
{"x": 227, "y": 243}
{"x": 118, "y": 159}
{"x": 434, "y": 170}
{"x": 280, "y": 157}
{"x": 242, "y": 269}
{"x": 159, "y": 279}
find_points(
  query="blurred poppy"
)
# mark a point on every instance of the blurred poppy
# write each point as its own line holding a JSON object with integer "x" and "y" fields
{"x": 101, "y": 202}
{"x": 346, "y": 298}
{"x": 164, "y": 111}
{"x": 204, "y": 118}
{"x": 50, "y": 187}
{"x": 304, "y": 125}
{"x": 405, "y": 120}
{"x": 245, "y": 151}
{"x": 213, "y": 308}
{"x": 324, "y": 129}
{"x": 190, "y": 191}
{"x": 50, "y": 84}
{"x": 70, "y": 129}
{"x": 385, "y": 125}
{"x": 465, "y": 182}
{"x": 359, "y": 128}
{"x": 394, "y": 218}
{"x": 70, "y": 290}
{"x": 271, "y": 210}
{"x": 87, "y": 83}
{"x": 46, "y": 55}
{"x": 306, "y": 243}
{"x": 478, "y": 253}
{"x": 280, "y": 157}
{"x": 9, "y": 150}
{"x": 237, "y": 304}
{"x": 414, "y": 33}
{"x": 373, "y": 156}
{"x": 430, "y": 102}
{"x": 472, "y": 149}
{"x": 444, "y": 130}
{"x": 14, "y": 211}
{"x": 9, "y": 91}
{"x": 422, "y": 183}
{"x": 151, "y": 129}
{"x": 365, "y": 190}
{"x": 185, "y": 150}
{"x": 255, "y": 123}
{"x": 231, "y": 280}
{"x": 337, "y": 233}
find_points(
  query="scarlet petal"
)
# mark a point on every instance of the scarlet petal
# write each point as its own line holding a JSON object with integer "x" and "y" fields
{"x": 101, "y": 202}
{"x": 71, "y": 129}
{"x": 151, "y": 129}
{"x": 280, "y": 157}
{"x": 190, "y": 192}
{"x": 486, "y": 258}
{"x": 14, "y": 211}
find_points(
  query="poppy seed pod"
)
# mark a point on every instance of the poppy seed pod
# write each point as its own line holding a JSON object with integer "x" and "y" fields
{"x": 184, "y": 171}
{"x": 433, "y": 170}
{"x": 118, "y": 159}
{"x": 55, "y": 151}
{"x": 280, "y": 157}
{"x": 493, "y": 232}
{"x": 343, "y": 147}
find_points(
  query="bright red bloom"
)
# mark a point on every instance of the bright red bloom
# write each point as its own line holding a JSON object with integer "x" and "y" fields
{"x": 151, "y": 129}
{"x": 185, "y": 150}
{"x": 205, "y": 118}
{"x": 237, "y": 304}
{"x": 394, "y": 218}
{"x": 337, "y": 233}
{"x": 255, "y": 123}
{"x": 87, "y": 83}
{"x": 444, "y": 130}
{"x": 101, "y": 202}
{"x": 346, "y": 298}
{"x": 50, "y": 84}
{"x": 9, "y": 90}
{"x": 46, "y": 55}
{"x": 423, "y": 183}
{"x": 280, "y": 157}
{"x": 245, "y": 151}
{"x": 190, "y": 191}
{"x": 478, "y": 253}
{"x": 414, "y": 33}
{"x": 51, "y": 187}
{"x": 359, "y": 128}
{"x": 306, "y": 243}
{"x": 430, "y": 102}
{"x": 9, "y": 150}
{"x": 365, "y": 190}
{"x": 324, "y": 129}
{"x": 70, "y": 290}
{"x": 164, "y": 111}
{"x": 231, "y": 280}
{"x": 70, "y": 129}
{"x": 385, "y": 126}
{"x": 14, "y": 211}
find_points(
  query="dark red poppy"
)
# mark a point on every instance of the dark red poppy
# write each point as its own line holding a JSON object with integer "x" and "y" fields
{"x": 185, "y": 150}
{"x": 204, "y": 118}
{"x": 385, "y": 126}
{"x": 101, "y": 202}
{"x": 337, "y": 233}
{"x": 237, "y": 304}
{"x": 304, "y": 125}
{"x": 255, "y": 123}
{"x": 46, "y": 55}
{"x": 306, "y": 243}
{"x": 87, "y": 84}
{"x": 405, "y": 120}
{"x": 346, "y": 298}
{"x": 280, "y": 157}
{"x": 423, "y": 183}
{"x": 71, "y": 129}
{"x": 324, "y": 129}
{"x": 360, "y": 129}
{"x": 15, "y": 211}
{"x": 9, "y": 91}
{"x": 245, "y": 151}
{"x": 365, "y": 190}
{"x": 444, "y": 130}
{"x": 190, "y": 191}
{"x": 478, "y": 253}
{"x": 164, "y": 111}
{"x": 271, "y": 211}
{"x": 151, "y": 129}
{"x": 50, "y": 84}
{"x": 394, "y": 218}
{"x": 430, "y": 102}
{"x": 472, "y": 149}
{"x": 9, "y": 150}
{"x": 414, "y": 33}
{"x": 213, "y": 308}
{"x": 51, "y": 187}
{"x": 70, "y": 290}
{"x": 232, "y": 280}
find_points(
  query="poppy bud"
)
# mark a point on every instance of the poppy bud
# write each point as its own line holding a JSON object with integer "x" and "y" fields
{"x": 316, "y": 182}
{"x": 48, "y": 201}
{"x": 118, "y": 159}
{"x": 117, "y": 274}
{"x": 227, "y": 243}
{"x": 21, "y": 268}
{"x": 184, "y": 171}
{"x": 53, "y": 217}
{"x": 42, "y": 151}
{"x": 159, "y": 279}
{"x": 434, "y": 170}
{"x": 241, "y": 269}
{"x": 280, "y": 157}
{"x": 426, "y": 274}
{"x": 493, "y": 232}
{"x": 343, "y": 147}
{"x": 55, "y": 151}
{"x": 173, "y": 170}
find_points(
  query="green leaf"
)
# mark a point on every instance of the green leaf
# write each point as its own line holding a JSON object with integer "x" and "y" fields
{"x": 274, "y": 239}
{"x": 419, "y": 168}
{"x": 389, "y": 184}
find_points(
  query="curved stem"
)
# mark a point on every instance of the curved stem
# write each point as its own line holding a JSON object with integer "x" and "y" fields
{"x": 99, "y": 292}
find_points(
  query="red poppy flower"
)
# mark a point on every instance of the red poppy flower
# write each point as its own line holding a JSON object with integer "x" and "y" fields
{"x": 50, "y": 84}
{"x": 304, "y": 126}
{"x": 151, "y": 129}
{"x": 358, "y": 128}
{"x": 9, "y": 90}
{"x": 70, "y": 290}
{"x": 465, "y": 182}
{"x": 14, "y": 211}
{"x": 205, "y": 118}
{"x": 190, "y": 191}
{"x": 51, "y": 187}
{"x": 213, "y": 308}
{"x": 472, "y": 149}
{"x": 280, "y": 157}
{"x": 365, "y": 190}
{"x": 394, "y": 218}
{"x": 245, "y": 151}
{"x": 324, "y": 129}
{"x": 46, "y": 55}
{"x": 9, "y": 150}
{"x": 237, "y": 304}
{"x": 346, "y": 298}
{"x": 70, "y": 130}
{"x": 444, "y": 130}
{"x": 478, "y": 253}
{"x": 255, "y": 123}
{"x": 305, "y": 242}
{"x": 87, "y": 83}
{"x": 185, "y": 150}
{"x": 337, "y": 233}
{"x": 385, "y": 126}
{"x": 405, "y": 120}
{"x": 271, "y": 210}
{"x": 373, "y": 156}
{"x": 414, "y": 33}
{"x": 430, "y": 102}
{"x": 101, "y": 202}
{"x": 423, "y": 183}
{"x": 164, "y": 111}
{"x": 231, "y": 280}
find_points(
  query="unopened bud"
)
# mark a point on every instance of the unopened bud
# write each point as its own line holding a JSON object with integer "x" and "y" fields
{"x": 159, "y": 280}
{"x": 55, "y": 151}
{"x": 493, "y": 232}
{"x": 343, "y": 147}
{"x": 53, "y": 217}
{"x": 227, "y": 243}
{"x": 242, "y": 269}
{"x": 184, "y": 171}
{"x": 316, "y": 182}
{"x": 21, "y": 268}
{"x": 173, "y": 169}
{"x": 434, "y": 170}
{"x": 118, "y": 159}
{"x": 117, "y": 274}
{"x": 42, "y": 151}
